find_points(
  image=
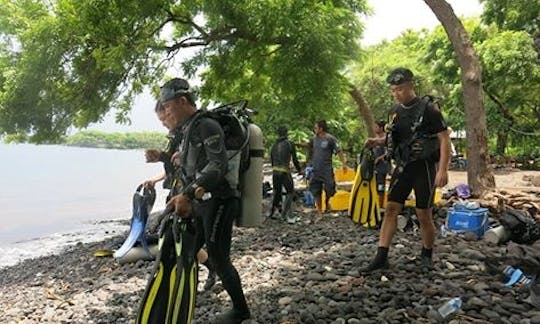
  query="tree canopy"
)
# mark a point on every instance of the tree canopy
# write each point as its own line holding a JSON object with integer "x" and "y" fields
{"x": 66, "y": 63}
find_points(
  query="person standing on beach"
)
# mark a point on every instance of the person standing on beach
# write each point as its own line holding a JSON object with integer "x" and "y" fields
{"x": 321, "y": 149}
{"x": 281, "y": 154}
{"x": 166, "y": 157}
{"x": 418, "y": 139}
{"x": 203, "y": 164}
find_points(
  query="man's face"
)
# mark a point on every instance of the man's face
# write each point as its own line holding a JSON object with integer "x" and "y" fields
{"x": 174, "y": 111}
{"x": 402, "y": 92}
{"x": 164, "y": 116}
{"x": 316, "y": 129}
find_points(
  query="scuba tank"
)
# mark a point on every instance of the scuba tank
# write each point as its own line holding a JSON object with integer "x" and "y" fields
{"x": 251, "y": 180}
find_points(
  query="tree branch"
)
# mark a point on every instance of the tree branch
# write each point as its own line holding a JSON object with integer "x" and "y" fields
{"x": 502, "y": 108}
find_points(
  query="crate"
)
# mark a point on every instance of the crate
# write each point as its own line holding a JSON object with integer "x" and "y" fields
{"x": 468, "y": 220}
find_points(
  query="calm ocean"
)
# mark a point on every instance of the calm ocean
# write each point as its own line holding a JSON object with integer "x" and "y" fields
{"x": 49, "y": 194}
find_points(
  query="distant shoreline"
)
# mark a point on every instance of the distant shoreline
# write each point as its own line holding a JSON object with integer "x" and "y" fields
{"x": 120, "y": 141}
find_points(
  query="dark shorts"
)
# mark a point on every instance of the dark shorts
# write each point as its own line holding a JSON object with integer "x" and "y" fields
{"x": 417, "y": 175}
{"x": 323, "y": 180}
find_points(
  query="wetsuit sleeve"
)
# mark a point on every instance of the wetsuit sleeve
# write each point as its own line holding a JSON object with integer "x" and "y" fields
{"x": 212, "y": 174}
{"x": 435, "y": 120}
{"x": 295, "y": 158}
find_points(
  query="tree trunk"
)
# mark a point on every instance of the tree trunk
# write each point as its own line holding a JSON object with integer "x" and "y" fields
{"x": 479, "y": 174}
{"x": 502, "y": 142}
{"x": 363, "y": 109}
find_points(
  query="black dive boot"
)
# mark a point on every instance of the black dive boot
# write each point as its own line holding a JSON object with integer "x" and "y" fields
{"x": 379, "y": 262}
{"x": 232, "y": 316}
{"x": 426, "y": 259}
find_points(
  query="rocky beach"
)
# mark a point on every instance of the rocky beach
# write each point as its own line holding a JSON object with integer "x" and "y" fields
{"x": 301, "y": 273}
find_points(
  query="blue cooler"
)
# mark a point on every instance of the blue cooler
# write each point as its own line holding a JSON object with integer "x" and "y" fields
{"x": 468, "y": 220}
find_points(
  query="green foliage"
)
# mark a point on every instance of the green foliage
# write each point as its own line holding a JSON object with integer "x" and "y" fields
{"x": 136, "y": 140}
{"x": 67, "y": 63}
{"x": 519, "y": 15}
{"x": 510, "y": 75}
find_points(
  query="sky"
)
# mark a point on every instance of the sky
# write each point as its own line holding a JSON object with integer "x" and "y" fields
{"x": 390, "y": 18}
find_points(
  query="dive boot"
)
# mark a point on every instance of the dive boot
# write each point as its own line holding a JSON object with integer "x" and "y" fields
{"x": 232, "y": 316}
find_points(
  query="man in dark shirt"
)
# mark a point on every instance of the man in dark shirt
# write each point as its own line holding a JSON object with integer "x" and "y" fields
{"x": 413, "y": 170}
{"x": 321, "y": 149}
{"x": 203, "y": 165}
{"x": 281, "y": 154}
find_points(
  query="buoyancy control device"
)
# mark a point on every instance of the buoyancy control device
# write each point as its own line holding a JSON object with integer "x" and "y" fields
{"x": 245, "y": 151}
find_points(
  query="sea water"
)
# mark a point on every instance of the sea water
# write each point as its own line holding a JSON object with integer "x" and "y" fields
{"x": 52, "y": 196}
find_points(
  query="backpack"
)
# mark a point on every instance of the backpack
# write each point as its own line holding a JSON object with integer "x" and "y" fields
{"x": 421, "y": 146}
{"x": 523, "y": 228}
{"x": 234, "y": 118}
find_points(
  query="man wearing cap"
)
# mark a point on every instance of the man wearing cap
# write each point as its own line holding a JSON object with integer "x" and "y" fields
{"x": 415, "y": 169}
{"x": 203, "y": 164}
{"x": 281, "y": 154}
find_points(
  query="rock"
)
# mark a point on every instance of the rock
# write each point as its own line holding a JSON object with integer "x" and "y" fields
{"x": 472, "y": 254}
{"x": 536, "y": 180}
{"x": 285, "y": 301}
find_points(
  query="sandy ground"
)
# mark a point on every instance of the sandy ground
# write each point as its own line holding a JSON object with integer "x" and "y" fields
{"x": 504, "y": 179}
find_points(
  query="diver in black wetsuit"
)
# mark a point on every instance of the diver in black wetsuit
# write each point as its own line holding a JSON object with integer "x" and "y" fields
{"x": 203, "y": 164}
{"x": 281, "y": 154}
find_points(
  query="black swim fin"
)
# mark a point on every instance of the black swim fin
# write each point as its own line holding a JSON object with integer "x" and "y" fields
{"x": 171, "y": 291}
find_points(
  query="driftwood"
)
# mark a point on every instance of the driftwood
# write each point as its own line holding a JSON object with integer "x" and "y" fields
{"x": 499, "y": 200}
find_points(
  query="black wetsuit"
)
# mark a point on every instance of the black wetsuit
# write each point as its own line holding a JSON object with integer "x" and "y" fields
{"x": 419, "y": 174}
{"x": 204, "y": 164}
{"x": 281, "y": 154}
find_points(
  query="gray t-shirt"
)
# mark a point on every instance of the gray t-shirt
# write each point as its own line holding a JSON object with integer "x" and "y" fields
{"x": 323, "y": 147}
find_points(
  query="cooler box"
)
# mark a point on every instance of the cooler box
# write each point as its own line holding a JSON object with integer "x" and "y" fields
{"x": 468, "y": 220}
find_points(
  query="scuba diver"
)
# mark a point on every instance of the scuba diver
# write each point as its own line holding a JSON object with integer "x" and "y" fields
{"x": 418, "y": 139}
{"x": 202, "y": 212}
{"x": 281, "y": 154}
{"x": 166, "y": 157}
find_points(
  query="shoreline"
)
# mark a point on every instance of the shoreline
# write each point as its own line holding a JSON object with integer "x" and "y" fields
{"x": 302, "y": 273}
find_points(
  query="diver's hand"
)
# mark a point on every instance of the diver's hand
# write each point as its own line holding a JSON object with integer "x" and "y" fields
{"x": 175, "y": 159}
{"x": 152, "y": 155}
{"x": 181, "y": 205}
{"x": 151, "y": 183}
{"x": 441, "y": 178}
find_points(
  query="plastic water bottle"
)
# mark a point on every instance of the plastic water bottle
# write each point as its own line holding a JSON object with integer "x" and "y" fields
{"x": 450, "y": 307}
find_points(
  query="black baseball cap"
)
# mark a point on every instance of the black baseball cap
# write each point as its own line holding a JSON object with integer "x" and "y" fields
{"x": 175, "y": 88}
{"x": 399, "y": 76}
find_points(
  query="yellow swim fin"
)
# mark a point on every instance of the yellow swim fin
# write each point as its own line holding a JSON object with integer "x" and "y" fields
{"x": 171, "y": 291}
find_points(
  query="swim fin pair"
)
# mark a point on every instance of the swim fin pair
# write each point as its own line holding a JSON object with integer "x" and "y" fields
{"x": 143, "y": 201}
{"x": 172, "y": 288}
{"x": 364, "y": 199}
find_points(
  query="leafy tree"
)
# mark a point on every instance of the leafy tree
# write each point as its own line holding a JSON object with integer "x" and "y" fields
{"x": 518, "y": 15}
{"x": 66, "y": 63}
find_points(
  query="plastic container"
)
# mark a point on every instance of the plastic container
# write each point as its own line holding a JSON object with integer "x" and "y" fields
{"x": 450, "y": 307}
{"x": 468, "y": 220}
